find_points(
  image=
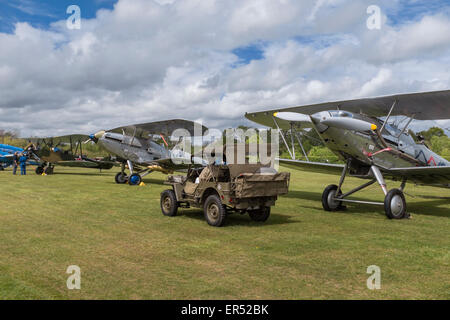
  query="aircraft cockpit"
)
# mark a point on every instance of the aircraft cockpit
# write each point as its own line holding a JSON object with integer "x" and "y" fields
{"x": 393, "y": 134}
{"x": 341, "y": 114}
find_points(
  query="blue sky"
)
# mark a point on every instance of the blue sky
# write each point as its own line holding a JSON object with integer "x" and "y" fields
{"x": 40, "y": 14}
{"x": 413, "y": 10}
{"x": 209, "y": 61}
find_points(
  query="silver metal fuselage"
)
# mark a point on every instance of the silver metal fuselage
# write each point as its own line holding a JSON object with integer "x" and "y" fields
{"x": 366, "y": 147}
{"x": 139, "y": 151}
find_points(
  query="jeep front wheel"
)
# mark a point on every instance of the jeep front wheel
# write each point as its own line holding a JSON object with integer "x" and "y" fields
{"x": 214, "y": 210}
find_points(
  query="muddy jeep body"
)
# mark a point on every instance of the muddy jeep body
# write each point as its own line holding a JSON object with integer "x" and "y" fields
{"x": 224, "y": 189}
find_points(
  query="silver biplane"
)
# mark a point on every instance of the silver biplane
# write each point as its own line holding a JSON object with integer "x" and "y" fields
{"x": 360, "y": 133}
{"x": 135, "y": 147}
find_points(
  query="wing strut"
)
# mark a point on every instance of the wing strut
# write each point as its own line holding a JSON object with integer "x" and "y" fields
{"x": 134, "y": 134}
{"x": 407, "y": 125}
{"x": 389, "y": 115}
{"x": 292, "y": 140}
{"x": 297, "y": 135}
{"x": 282, "y": 136}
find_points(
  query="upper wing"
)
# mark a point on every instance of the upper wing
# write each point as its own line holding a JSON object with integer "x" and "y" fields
{"x": 162, "y": 127}
{"x": 318, "y": 167}
{"x": 6, "y": 155}
{"x": 6, "y": 148}
{"x": 424, "y": 106}
{"x": 439, "y": 175}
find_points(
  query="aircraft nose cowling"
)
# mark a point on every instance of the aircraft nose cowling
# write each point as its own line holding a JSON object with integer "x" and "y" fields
{"x": 349, "y": 124}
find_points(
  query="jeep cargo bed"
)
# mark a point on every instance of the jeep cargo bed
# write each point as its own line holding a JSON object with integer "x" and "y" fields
{"x": 248, "y": 185}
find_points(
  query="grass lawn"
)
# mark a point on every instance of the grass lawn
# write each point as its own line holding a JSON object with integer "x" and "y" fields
{"x": 127, "y": 249}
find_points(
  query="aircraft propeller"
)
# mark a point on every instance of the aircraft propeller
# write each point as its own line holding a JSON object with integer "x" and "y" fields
{"x": 95, "y": 137}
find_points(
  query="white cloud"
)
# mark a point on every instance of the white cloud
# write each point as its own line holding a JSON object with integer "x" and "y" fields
{"x": 152, "y": 60}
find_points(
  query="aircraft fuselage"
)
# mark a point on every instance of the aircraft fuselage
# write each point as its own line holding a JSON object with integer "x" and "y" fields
{"x": 136, "y": 150}
{"x": 398, "y": 150}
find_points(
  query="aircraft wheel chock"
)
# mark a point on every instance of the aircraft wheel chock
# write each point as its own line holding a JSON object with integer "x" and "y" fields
{"x": 395, "y": 204}
{"x": 121, "y": 178}
{"x": 39, "y": 171}
{"x": 169, "y": 204}
{"x": 134, "y": 180}
{"x": 328, "y": 202}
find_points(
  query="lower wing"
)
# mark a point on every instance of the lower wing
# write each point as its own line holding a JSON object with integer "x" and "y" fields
{"x": 179, "y": 164}
{"x": 432, "y": 176}
{"x": 86, "y": 164}
{"x": 319, "y": 167}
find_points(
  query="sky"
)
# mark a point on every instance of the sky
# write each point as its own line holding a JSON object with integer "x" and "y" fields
{"x": 135, "y": 61}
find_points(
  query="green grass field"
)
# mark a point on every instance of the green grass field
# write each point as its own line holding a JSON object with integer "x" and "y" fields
{"x": 127, "y": 249}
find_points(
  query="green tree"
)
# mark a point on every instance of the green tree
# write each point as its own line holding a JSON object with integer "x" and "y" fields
{"x": 432, "y": 132}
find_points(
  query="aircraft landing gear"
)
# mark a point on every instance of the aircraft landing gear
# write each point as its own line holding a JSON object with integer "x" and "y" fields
{"x": 48, "y": 170}
{"x": 394, "y": 201}
{"x": 328, "y": 198}
{"x": 134, "y": 180}
{"x": 45, "y": 168}
{"x": 39, "y": 170}
{"x": 121, "y": 178}
{"x": 395, "y": 204}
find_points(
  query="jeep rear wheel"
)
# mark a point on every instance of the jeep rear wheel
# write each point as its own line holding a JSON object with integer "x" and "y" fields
{"x": 214, "y": 211}
{"x": 260, "y": 215}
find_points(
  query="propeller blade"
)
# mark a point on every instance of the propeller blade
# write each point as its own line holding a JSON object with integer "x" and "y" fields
{"x": 349, "y": 124}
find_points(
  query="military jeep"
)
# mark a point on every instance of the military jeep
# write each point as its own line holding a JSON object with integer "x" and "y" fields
{"x": 223, "y": 189}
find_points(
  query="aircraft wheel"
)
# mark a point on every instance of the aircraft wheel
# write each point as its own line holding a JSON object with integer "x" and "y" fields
{"x": 260, "y": 215}
{"x": 134, "y": 180}
{"x": 395, "y": 204}
{"x": 121, "y": 178}
{"x": 214, "y": 210}
{"x": 328, "y": 195}
{"x": 39, "y": 170}
{"x": 169, "y": 204}
{"x": 48, "y": 170}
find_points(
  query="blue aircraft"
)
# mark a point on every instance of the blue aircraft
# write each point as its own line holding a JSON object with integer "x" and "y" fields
{"x": 6, "y": 155}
